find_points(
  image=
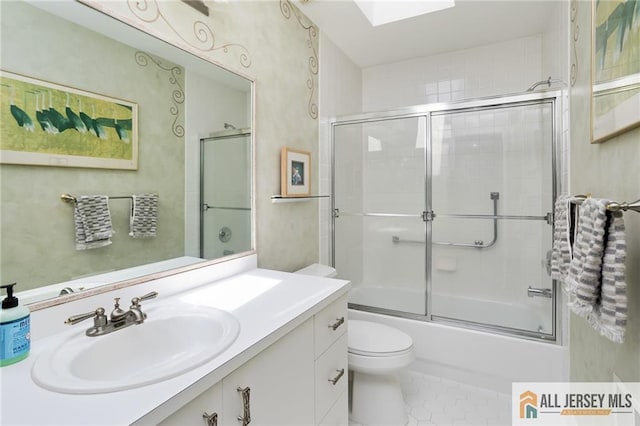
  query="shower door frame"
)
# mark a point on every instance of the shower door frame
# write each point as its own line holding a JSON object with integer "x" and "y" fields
{"x": 426, "y": 111}
{"x": 203, "y": 207}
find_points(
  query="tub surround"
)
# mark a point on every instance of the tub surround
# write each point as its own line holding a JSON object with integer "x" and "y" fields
{"x": 497, "y": 361}
{"x": 268, "y": 305}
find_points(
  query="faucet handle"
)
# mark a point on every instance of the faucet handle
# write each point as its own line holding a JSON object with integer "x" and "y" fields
{"x": 98, "y": 314}
{"x": 136, "y": 300}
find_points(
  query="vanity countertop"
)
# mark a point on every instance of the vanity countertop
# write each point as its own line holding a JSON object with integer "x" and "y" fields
{"x": 268, "y": 304}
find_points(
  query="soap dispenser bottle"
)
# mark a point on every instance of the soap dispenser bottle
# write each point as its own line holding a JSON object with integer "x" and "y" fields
{"x": 15, "y": 330}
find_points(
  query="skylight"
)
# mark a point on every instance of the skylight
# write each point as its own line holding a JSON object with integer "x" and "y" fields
{"x": 380, "y": 12}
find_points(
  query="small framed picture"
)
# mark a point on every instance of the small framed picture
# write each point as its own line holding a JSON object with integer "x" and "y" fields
{"x": 295, "y": 173}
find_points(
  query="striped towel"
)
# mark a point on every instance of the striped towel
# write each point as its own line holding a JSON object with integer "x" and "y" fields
{"x": 561, "y": 252}
{"x": 596, "y": 274}
{"x": 612, "y": 318}
{"x": 144, "y": 216}
{"x": 92, "y": 220}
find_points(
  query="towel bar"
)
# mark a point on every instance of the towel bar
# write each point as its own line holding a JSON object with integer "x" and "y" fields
{"x": 614, "y": 206}
{"x": 68, "y": 198}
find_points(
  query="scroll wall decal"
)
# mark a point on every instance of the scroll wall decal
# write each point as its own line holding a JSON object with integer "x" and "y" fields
{"x": 149, "y": 11}
{"x": 287, "y": 9}
{"x": 177, "y": 95}
{"x": 576, "y": 36}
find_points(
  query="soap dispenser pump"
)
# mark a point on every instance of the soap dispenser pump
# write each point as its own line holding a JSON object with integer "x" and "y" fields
{"x": 15, "y": 334}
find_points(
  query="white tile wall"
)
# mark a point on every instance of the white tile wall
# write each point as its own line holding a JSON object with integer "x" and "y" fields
{"x": 340, "y": 82}
{"x": 496, "y": 69}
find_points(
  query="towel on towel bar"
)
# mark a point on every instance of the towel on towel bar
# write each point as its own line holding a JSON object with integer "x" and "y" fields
{"x": 596, "y": 277}
{"x": 561, "y": 252}
{"x": 92, "y": 220}
{"x": 612, "y": 318}
{"x": 144, "y": 216}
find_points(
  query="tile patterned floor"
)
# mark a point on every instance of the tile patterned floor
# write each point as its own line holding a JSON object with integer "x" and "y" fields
{"x": 435, "y": 401}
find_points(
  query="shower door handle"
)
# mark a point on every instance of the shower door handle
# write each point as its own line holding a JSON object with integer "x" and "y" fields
{"x": 547, "y": 263}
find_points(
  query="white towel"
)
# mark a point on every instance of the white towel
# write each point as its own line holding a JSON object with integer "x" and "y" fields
{"x": 596, "y": 274}
{"x": 144, "y": 216}
{"x": 92, "y": 220}
{"x": 561, "y": 253}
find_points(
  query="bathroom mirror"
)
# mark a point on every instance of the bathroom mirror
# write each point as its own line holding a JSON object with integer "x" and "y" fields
{"x": 66, "y": 48}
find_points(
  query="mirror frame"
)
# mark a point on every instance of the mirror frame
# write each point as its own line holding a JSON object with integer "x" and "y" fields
{"x": 58, "y": 300}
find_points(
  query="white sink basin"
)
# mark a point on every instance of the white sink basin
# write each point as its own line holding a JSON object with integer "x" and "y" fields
{"x": 173, "y": 340}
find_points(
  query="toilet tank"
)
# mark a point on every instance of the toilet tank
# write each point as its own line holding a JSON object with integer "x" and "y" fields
{"x": 318, "y": 270}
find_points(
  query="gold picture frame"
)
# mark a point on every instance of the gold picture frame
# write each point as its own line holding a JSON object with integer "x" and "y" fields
{"x": 615, "y": 68}
{"x": 295, "y": 173}
{"x": 48, "y": 124}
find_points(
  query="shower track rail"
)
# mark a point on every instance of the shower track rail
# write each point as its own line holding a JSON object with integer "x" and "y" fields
{"x": 429, "y": 216}
{"x": 478, "y": 243}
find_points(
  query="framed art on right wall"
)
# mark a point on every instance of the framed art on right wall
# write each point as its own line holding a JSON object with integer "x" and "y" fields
{"x": 615, "y": 68}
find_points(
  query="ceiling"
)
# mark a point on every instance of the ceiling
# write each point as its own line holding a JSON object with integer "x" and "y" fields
{"x": 469, "y": 24}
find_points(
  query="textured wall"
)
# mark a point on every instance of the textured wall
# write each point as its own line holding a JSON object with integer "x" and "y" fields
{"x": 37, "y": 228}
{"x": 606, "y": 170}
{"x": 277, "y": 47}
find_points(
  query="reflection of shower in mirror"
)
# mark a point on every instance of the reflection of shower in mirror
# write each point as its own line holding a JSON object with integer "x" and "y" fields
{"x": 225, "y": 192}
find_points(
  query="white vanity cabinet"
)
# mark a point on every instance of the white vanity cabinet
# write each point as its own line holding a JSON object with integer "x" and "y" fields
{"x": 209, "y": 402}
{"x": 331, "y": 375}
{"x": 300, "y": 380}
{"x": 291, "y": 352}
{"x": 279, "y": 382}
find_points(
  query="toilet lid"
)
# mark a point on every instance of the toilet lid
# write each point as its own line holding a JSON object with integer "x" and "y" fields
{"x": 374, "y": 339}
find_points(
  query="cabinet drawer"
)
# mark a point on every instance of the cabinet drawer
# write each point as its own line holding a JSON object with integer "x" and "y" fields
{"x": 191, "y": 414}
{"x": 329, "y": 324}
{"x": 338, "y": 415}
{"x": 331, "y": 377}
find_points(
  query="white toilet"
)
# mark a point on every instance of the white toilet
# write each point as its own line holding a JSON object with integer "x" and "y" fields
{"x": 377, "y": 353}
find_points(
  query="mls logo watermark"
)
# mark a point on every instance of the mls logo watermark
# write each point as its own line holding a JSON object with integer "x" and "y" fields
{"x": 558, "y": 404}
{"x": 528, "y": 405}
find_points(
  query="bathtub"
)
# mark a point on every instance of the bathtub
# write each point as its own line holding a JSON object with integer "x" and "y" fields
{"x": 474, "y": 357}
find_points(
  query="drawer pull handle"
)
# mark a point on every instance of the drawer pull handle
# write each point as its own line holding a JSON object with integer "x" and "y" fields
{"x": 212, "y": 419}
{"x": 246, "y": 417}
{"x": 336, "y": 379}
{"x": 338, "y": 323}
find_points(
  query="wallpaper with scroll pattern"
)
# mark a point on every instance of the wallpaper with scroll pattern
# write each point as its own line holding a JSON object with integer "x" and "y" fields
{"x": 150, "y": 11}
{"x": 288, "y": 10}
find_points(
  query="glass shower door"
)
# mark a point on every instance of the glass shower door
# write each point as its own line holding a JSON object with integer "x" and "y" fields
{"x": 379, "y": 197}
{"x": 491, "y": 192}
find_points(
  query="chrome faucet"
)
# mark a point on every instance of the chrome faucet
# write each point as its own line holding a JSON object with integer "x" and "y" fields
{"x": 118, "y": 318}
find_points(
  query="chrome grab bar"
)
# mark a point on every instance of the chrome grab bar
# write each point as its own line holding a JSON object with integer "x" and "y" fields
{"x": 477, "y": 243}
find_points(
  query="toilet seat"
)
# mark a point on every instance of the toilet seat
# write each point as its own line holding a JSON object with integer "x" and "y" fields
{"x": 372, "y": 339}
